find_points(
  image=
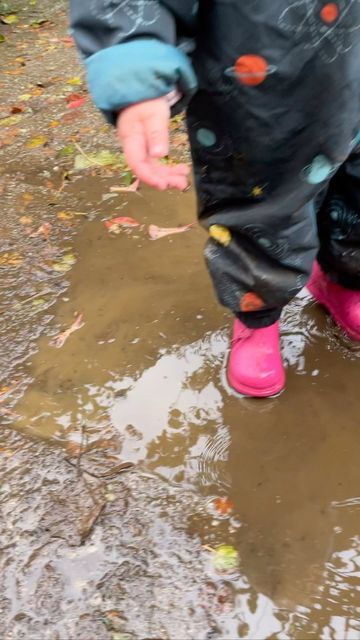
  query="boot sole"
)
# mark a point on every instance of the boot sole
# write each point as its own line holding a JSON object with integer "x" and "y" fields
{"x": 321, "y": 299}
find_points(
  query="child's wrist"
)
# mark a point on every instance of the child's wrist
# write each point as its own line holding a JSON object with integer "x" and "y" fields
{"x": 173, "y": 97}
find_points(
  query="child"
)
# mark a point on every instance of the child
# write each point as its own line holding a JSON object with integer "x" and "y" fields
{"x": 272, "y": 90}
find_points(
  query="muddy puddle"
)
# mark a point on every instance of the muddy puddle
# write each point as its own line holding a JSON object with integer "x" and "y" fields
{"x": 94, "y": 548}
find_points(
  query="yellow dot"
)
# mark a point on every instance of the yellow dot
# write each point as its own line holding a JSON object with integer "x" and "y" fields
{"x": 220, "y": 234}
{"x": 257, "y": 192}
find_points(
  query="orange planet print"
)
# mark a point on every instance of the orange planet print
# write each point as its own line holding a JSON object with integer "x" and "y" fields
{"x": 251, "y": 302}
{"x": 329, "y": 13}
{"x": 251, "y": 69}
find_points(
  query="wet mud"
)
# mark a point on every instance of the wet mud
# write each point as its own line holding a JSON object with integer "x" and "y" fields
{"x": 115, "y": 447}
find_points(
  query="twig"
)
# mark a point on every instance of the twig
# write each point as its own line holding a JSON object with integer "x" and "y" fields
{"x": 5, "y": 394}
{"x": 81, "y": 450}
{"x": 36, "y": 295}
{"x": 124, "y": 466}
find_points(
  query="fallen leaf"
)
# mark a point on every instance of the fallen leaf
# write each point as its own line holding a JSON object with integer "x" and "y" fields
{"x": 26, "y": 220}
{"x": 156, "y": 232}
{"x": 123, "y": 221}
{"x": 17, "y": 109}
{"x": 74, "y": 81}
{"x": 2, "y": 38}
{"x": 69, "y": 215}
{"x": 68, "y": 41}
{"x": 11, "y": 259}
{"x": 37, "y": 91}
{"x": 65, "y": 264}
{"x": 103, "y": 158}
{"x": 61, "y": 338}
{"x": 13, "y": 72}
{"x": 55, "y": 123}
{"x": 223, "y": 505}
{"x": 25, "y": 97}
{"x": 75, "y": 104}
{"x": 38, "y": 24}
{"x": 225, "y": 558}
{"x": 12, "y": 18}
{"x": 131, "y": 188}
{"x": 38, "y": 302}
{"x": 44, "y": 231}
{"x": 7, "y": 122}
{"x": 68, "y": 150}
{"x": 39, "y": 141}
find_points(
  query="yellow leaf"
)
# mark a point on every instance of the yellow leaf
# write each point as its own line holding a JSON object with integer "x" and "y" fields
{"x": 10, "y": 19}
{"x": 65, "y": 263}
{"x": 68, "y": 215}
{"x": 74, "y": 81}
{"x": 54, "y": 123}
{"x": 26, "y": 220}
{"x": 36, "y": 142}
{"x": 8, "y": 122}
{"x": 65, "y": 215}
{"x": 10, "y": 258}
{"x": 25, "y": 97}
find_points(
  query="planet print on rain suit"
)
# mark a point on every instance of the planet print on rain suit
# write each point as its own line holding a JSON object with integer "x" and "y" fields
{"x": 273, "y": 107}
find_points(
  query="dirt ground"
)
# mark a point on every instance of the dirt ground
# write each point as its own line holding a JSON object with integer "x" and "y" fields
{"x": 139, "y": 498}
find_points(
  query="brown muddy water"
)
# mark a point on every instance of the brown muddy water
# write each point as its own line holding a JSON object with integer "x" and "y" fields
{"x": 93, "y": 551}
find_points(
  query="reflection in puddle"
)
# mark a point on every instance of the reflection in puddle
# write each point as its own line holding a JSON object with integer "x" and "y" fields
{"x": 144, "y": 385}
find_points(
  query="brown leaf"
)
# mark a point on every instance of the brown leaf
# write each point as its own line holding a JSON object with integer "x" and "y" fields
{"x": 17, "y": 109}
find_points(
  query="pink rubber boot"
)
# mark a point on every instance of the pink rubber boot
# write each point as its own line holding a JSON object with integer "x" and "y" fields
{"x": 343, "y": 304}
{"x": 255, "y": 366}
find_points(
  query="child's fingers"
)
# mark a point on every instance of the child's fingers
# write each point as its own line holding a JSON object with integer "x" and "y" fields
{"x": 134, "y": 146}
{"x": 157, "y": 133}
{"x": 178, "y": 182}
{"x": 173, "y": 175}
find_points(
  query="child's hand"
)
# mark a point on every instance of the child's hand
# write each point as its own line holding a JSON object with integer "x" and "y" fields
{"x": 143, "y": 131}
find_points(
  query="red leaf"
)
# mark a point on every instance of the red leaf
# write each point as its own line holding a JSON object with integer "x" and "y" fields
{"x": 68, "y": 40}
{"x": 122, "y": 221}
{"x": 223, "y": 506}
{"x": 74, "y": 96}
{"x": 75, "y": 104}
{"x": 125, "y": 221}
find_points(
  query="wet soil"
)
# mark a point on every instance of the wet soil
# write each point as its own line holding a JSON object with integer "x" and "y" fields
{"x": 115, "y": 446}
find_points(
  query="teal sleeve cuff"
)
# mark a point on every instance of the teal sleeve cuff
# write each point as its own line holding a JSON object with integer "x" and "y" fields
{"x": 142, "y": 69}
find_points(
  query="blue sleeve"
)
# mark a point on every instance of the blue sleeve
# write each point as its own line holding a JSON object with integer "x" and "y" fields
{"x": 130, "y": 52}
